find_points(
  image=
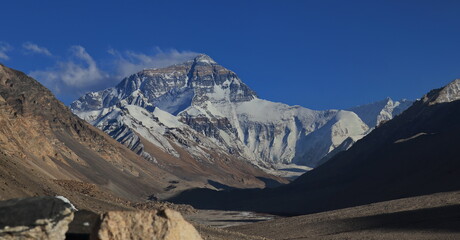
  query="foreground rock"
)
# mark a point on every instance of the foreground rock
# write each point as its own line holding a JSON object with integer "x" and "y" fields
{"x": 53, "y": 218}
{"x": 35, "y": 218}
{"x": 162, "y": 224}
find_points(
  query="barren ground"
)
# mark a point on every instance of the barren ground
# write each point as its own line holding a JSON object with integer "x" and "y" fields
{"x": 435, "y": 216}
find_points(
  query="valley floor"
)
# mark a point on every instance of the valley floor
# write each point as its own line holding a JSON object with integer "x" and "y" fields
{"x": 435, "y": 216}
{"x": 224, "y": 219}
{"x": 289, "y": 171}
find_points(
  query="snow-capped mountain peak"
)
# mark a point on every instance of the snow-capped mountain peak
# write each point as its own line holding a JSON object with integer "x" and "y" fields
{"x": 204, "y": 59}
{"x": 210, "y": 100}
{"x": 377, "y": 112}
{"x": 173, "y": 88}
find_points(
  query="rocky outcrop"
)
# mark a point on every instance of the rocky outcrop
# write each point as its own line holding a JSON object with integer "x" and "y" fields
{"x": 35, "y": 218}
{"x": 162, "y": 225}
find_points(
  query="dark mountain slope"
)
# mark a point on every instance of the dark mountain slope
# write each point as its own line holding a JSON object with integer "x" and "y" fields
{"x": 416, "y": 153}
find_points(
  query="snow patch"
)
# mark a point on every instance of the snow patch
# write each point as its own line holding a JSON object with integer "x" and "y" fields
{"x": 64, "y": 199}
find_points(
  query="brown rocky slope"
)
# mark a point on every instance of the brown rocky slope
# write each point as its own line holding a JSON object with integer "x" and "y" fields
{"x": 42, "y": 143}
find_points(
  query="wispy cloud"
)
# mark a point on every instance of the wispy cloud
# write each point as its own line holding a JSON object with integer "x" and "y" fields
{"x": 80, "y": 72}
{"x": 34, "y": 48}
{"x": 129, "y": 62}
{"x": 4, "y": 48}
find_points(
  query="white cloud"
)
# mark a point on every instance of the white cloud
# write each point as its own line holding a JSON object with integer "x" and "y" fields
{"x": 130, "y": 62}
{"x": 34, "y": 48}
{"x": 80, "y": 73}
{"x": 4, "y": 47}
{"x": 74, "y": 76}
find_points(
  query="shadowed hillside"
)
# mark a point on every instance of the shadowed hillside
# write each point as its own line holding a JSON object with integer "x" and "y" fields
{"x": 413, "y": 154}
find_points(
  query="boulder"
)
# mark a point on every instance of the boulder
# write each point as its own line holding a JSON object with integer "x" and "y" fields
{"x": 35, "y": 218}
{"x": 162, "y": 224}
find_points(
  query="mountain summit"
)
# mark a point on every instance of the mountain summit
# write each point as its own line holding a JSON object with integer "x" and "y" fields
{"x": 209, "y": 100}
{"x": 205, "y": 59}
{"x": 173, "y": 88}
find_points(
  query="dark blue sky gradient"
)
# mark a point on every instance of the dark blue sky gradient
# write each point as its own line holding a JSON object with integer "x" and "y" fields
{"x": 318, "y": 54}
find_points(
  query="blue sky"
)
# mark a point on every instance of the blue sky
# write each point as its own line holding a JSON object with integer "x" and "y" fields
{"x": 318, "y": 54}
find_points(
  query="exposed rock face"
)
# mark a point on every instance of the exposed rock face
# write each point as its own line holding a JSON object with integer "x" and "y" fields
{"x": 159, "y": 225}
{"x": 212, "y": 101}
{"x": 35, "y": 218}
